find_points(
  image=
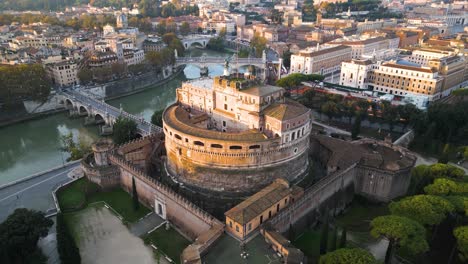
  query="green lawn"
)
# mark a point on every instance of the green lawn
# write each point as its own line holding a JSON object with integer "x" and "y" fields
{"x": 74, "y": 196}
{"x": 359, "y": 215}
{"x": 170, "y": 242}
{"x": 118, "y": 199}
{"x": 309, "y": 243}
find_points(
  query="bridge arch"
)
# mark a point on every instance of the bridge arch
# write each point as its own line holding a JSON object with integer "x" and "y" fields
{"x": 198, "y": 42}
{"x": 83, "y": 110}
{"x": 68, "y": 104}
{"x": 99, "y": 119}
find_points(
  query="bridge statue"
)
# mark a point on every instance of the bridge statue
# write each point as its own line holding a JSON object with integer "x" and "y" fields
{"x": 226, "y": 67}
{"x": 175, "y": 53}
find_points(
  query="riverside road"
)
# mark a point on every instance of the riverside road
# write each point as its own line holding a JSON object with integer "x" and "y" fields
{"x": 34, "y": 193}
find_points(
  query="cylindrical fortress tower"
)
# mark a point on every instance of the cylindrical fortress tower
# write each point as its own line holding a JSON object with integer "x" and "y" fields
{"x": 100, "y": 150}
{"x": 209, "y": 148}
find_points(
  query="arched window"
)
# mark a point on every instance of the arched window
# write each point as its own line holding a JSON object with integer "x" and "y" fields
{"x": 198, "y": 143}
{"x": 216, "y": 146}
{"x": 178, "y": 137}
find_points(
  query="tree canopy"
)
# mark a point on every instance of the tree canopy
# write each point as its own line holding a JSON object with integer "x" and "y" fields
{"x": 295, "y": 79}
{"x": 19, "y": 235}
{"x": 156, "y": 118}
{"x": 124, "y": 130}
{"x": 23, "y": 81}
{"x": 426, "y": 209}
{"x": 461, "y": 234}
{"x": 400, "y": 231}
{"x": 258, "y": 43}
{"x": 423, "y": 175}
{"x": 444, "y": 186}
{"x": 347, "y": 256}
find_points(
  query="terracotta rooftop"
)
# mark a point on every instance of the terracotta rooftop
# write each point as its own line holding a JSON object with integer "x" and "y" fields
{"x": 406, "y": 67}
{"x": 256, "y": 204}
{"x": 323, "y": 51}
{"x": 261, "y": 90}
{"x": 285, "y": 111}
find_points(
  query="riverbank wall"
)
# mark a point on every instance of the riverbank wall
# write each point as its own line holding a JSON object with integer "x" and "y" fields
{"x": 112, "y": 90}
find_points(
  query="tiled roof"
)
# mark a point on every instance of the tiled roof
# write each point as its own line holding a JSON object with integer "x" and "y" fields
{"x": 261, "y": 90}
{"x": 285, "y": 111}
{"x": 256, "y": 204}
{"x": 411, "y": 68}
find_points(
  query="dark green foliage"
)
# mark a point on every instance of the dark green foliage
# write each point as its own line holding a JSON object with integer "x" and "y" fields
{"x": 136, "y": 204}
{"x": 24, "y": 81}
{"x": 423, "y": 175}
{"x": 76, "y": 151}
{"x": 400, "y": 232}
{"x": 287, "y": 58}
{"x": 343, "y": 238}
{"x": 216, "y": 44}
{"x": 259, "y": 44}
{"x": 19, "y": 235}
{"x": 66, "y": 246}
{"x": 441, "y": 124}
{"x": 156, "y": 118}
{"x": 334, "y": 238}
{"x": 124, "y": 130}
{"x": 160, "y": 59}
{"x": 173, "y": 43}
{"x": 324, "y": 237}
{"x": 348, "y": 256}
{"x": 296, "y": 79}
{"x": 291, "y": 233}
{"x": 356, "y": 127}
{"x": 243, "y": 53}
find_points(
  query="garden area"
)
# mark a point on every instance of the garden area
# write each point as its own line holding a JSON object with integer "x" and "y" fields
{"x": 102, "y": 237}
{"x": 357, "y": 220}
{"x": 168, "y": 241}
{"x": 81, "y": 193}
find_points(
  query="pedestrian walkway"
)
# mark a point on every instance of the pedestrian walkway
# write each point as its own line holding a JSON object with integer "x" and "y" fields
{"x": 146, "y": 224}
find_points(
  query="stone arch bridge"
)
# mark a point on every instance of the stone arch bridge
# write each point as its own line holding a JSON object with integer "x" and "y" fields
{"x": 202, "y": 40}
{"x": 99, "y": 112}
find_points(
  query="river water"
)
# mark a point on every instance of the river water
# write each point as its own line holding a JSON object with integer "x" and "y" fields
{"x": 34, "y": 146}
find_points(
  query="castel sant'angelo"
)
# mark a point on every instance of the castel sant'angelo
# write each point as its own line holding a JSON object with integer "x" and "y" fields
{"x": 236, "y": 145}
{"x": 234, "y": 134}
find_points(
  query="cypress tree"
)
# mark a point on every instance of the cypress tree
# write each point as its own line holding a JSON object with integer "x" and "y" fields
{"x": 291, "y": 233}
{"x": 356, "y": 129}
{"x": 66, "y": 247}
{"x": 333, "y": 240}
{"x": 324, "y": 237}
{"x": 136, "y": 204}
{"x": 343, "y": 238}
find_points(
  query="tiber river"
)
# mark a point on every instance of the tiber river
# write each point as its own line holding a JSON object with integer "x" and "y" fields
{"x": 34, "y": 146}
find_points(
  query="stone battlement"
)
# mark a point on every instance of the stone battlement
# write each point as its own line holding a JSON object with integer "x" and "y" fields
{"x": 167, "y": 191}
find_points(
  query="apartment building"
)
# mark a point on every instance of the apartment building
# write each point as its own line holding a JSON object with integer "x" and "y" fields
{"x": 404, "y": 80}
{"x": 63, "y": 73}
{"x": 354, "y": 73}
{"x": 321, "y": 60}
{"x": 452, "y": 70}
{"x": 423, "y": 56}
{"x": 363, "y": 44}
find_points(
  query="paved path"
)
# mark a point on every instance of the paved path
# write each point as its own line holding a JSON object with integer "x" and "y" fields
{"x": 331, "y": 129}
{"x": 34, "y": 193}
{"x": 146, "y": 224}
